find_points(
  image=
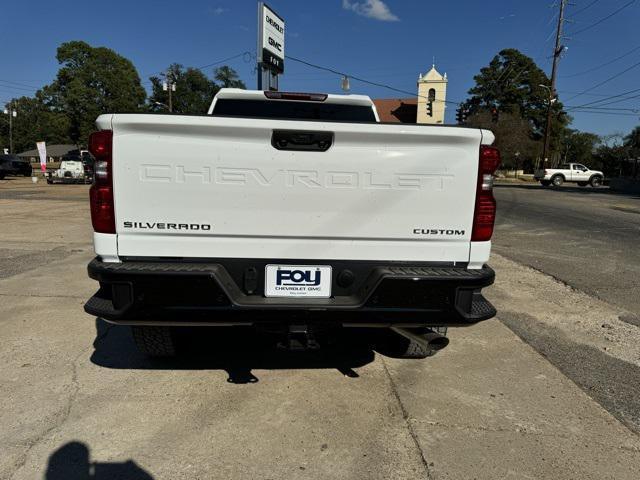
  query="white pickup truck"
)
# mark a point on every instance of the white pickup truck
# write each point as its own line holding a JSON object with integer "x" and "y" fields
{"x": 292, "y": 212}
{"x": 569, "y": 172}
{"x": 70, "y": 171}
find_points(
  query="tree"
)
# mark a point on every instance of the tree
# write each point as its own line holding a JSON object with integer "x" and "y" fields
{"x": 228, "y": 77}
{"x": 513, "y": 84}
{"x": 513, "y": 137}
{"x": 193, "y": 93}
{"x": 34, "y": 122}
{"x": 576, "y": 146}
{"x": 92, "y": 81}
{"x": 610, "y": 154}
{"x": 632, "y": 141}
{"x": 194, "y": 90}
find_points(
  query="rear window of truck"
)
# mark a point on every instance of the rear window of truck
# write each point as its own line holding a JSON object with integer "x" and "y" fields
{"x": 293, "y": 110}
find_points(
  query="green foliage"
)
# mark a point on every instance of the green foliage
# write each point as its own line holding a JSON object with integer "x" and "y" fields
{"x": 92, "y": 81}
{"x": 194, "y": 90}
{"x": 576, "y": 146}
{"x": 513, "y": 138}
{"x": 616, "y": 153}
{"x": 512, "y": 83}
{"x": 228, "y": 77}
{"x": 632, "y": 142}
{"x": 193, "y": 94}
{"x": 96, "y": 80}
{"x": 35, "y": 122}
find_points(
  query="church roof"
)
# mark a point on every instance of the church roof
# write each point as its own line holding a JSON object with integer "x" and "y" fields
{"x": 397, "y": 110}
{"x": 433, "y": 75}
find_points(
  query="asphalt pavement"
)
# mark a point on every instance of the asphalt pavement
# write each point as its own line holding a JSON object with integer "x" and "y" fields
{"x": 586, "y": 237}
{"x": 79, "y": 402}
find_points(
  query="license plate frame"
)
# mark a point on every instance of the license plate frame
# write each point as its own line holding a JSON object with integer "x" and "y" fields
{"x": 297, "y": 281}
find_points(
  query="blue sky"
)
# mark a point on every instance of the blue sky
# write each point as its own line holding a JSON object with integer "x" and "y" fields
{"x": 387, "y": 42}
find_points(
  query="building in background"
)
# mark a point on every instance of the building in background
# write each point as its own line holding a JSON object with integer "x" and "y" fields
{"x": 55, "y": 153}
{"x": 431, "y": 86}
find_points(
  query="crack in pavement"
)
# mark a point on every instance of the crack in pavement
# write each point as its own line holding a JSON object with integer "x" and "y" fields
{"x": 33, "y": 295}
{"x": 405, "y": 417}
{"x": 64, "y": 415}
{"x": 524, "y": 431}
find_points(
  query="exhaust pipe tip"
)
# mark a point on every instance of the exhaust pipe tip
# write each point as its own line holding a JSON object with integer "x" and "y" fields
{"x": 431, "y": 340}
{"x": 435, "y": 341}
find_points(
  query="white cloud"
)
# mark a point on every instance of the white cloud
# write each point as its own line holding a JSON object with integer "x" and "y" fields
{"x": 375, "y": 9}
{"x": 218, "y": 10}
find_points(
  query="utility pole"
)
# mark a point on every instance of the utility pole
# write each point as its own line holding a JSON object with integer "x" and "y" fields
{"x": 12, "y": 112}
{"x": 552, "y": 91}
{"x": 169, "y": 86}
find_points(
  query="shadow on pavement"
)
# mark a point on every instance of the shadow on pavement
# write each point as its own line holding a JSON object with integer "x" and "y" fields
{"x": 72, "y": 462}
{"x": 567, "y": 188}
{"x": 236, "y": 350}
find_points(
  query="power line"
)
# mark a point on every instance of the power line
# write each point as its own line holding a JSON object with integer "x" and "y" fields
{"x": 595, "y": 102}
{"x": 613, "y": 77}
{"x": 204, "y": 66}
{"x": 589, "y": 27}
{"x": 623, "y": 99}
{"x": 19, "y": 84}
{"x": 358, "y": 79}
{"x": 11, "y": 87}
{"x": 604, "y": 64}
{"x": 614, "y": 109}
{"x": 583, "y": 9}
{"x": 609, "y": 113}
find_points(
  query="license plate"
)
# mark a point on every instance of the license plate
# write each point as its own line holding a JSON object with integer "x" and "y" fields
{"x": 298, "y": 281}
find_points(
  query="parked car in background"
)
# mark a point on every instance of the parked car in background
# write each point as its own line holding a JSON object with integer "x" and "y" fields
{"x": 15, "y": 165}
{"x": 70, "y": 171}
{"x": 569, "y": 172}
{"x": 5, "y": 168}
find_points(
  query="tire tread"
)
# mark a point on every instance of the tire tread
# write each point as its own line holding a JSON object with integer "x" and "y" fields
{"x": 154, "y": 341}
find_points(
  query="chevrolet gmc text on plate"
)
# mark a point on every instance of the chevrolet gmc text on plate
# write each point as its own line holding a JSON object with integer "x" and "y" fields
{"x": 295, "y": 213}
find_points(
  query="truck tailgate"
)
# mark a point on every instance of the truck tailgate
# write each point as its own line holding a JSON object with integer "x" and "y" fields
{"x": 206, "y": 187}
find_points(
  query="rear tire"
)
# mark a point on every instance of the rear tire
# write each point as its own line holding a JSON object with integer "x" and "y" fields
{"x": 396, "y": 346}
{"x": 557, "y": 180}
{"x": 157, "y": 342}
{"x": 583, "y": 184}
{"x": 545, "y": 183}
{"x": 596, "y": 181}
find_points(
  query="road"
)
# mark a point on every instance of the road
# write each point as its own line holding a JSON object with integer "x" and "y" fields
{"x": 77, "y": 397}
{"x": 588, "y": 238}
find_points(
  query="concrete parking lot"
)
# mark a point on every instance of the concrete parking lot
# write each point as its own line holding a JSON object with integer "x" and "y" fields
{"x": 499, "y": 402}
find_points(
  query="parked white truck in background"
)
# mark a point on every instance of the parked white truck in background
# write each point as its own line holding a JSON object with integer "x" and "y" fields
{"x": 569, "y": 172}
{"x": 293, "y": 212}
{"x": 70, "y": 171}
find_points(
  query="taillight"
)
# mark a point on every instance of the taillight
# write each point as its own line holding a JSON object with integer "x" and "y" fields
{"x": 485, "y": 210}
{"x": 103, "y": 215}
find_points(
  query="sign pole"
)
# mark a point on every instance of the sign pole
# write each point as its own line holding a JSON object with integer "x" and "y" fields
{"x": 259, "y": 46}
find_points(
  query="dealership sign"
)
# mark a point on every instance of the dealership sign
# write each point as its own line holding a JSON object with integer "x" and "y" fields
{"x": 270, "y": 39}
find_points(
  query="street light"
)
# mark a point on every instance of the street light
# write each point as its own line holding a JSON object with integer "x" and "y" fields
{"x": 11, "y": 111}
{"x": 162, "y": 105}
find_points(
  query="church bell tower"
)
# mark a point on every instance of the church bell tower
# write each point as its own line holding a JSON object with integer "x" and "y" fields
{"x": 432, "y": 87}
